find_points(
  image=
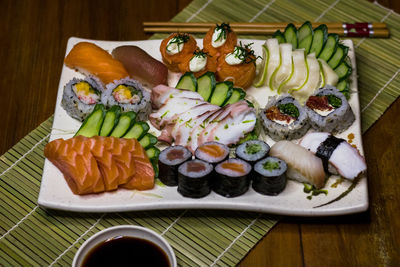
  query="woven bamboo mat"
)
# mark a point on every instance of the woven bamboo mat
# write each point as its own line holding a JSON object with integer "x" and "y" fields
{"x": 30, "y": 235}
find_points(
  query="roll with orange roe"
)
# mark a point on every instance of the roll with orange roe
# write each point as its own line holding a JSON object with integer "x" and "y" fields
{"x": 238, "y": 66}
{"x": 175, "y": 48}
{"x": 198, "y": 63}
{"x": 219, "y": 40}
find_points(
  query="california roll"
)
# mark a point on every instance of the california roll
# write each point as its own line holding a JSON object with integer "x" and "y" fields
{"x": 130, "y": 96}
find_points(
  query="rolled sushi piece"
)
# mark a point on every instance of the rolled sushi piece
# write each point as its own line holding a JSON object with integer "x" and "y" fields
{"x": 80, "y": 96}
{"x": 212, "y": 152}
{"x": 252, "y": 151}
{"x": 194, "y": 178}
{"x": 130, "y": 96}
{"x": 169, "y": 161}
{"x": 283, "y": 118}
{"x": 269, "y": 176}
{"x": 329, "y": 111}
{"x": 231, "y": 178}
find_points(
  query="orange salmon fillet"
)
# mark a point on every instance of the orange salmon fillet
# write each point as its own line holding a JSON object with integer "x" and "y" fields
{"x": 88, "y": 58}
{"x": 97, "y": 164}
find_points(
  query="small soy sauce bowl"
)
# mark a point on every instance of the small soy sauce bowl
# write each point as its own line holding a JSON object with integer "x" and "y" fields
{"x": 124, "y": 233}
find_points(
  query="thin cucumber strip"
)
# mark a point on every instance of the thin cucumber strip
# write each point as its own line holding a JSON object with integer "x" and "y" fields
{"x": 319, "y": 39}
{"x": 206, "y": 85}
{"x": 344, "y": 87}
{"x": 110, "y": 120}
{"x": 92, "y": 124}
{"x": 279, "y": 36}
{"x": 339, "y": 56}
{"x": 237, "y": 95}
{"x": 290, "y": 34}
{"x": 148, "y": 140}
{"x": 138, "y": 130}
{"x": 222, "y": 93}
{"x": 152, "y": 152}
{"x": 126, "y": 120}
{"x": 330, "y": 47}
{"x": 343, "y": 70}
{"x": 188, "y": 81}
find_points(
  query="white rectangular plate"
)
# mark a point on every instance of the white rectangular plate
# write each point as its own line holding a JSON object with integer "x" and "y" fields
{"x": 55, "y": 193}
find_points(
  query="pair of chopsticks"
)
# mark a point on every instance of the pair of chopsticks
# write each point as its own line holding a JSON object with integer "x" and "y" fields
{"x": 357, "y": 29}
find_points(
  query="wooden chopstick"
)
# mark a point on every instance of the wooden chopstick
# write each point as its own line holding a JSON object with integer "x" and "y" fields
{"x": 274, "y": 25}
{"x": 379, "y": 32}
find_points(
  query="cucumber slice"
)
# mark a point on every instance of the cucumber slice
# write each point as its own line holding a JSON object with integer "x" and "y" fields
{"x": 305, "y": 36}
{"x": 110, "y": 120}
{"x": 138, "y": 130}
{"x": 237, "y": 95}
{"x": 188, "y": 82}
{"x": 148, "y": 140}
{"x": 344, "y": 87}
{"x": 338, "y": 57}
{"x": 279, "y": 36}
{"x": 222, "y": 93}
{"x": 290, "y": 34}
{"x": 330, "y": 46}
{"x": 92, "y": 124}
{"x": 206, "y": 85}
{"x": 152, "y": 153}
{"x": 343, "y": 70}
{"x": 126, "y": 120}
{"x": 262, "y": 73}
{"x": 319, "y": 39}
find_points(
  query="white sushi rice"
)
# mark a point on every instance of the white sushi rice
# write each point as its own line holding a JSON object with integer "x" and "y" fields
{"x": 142, "y": 107}
{"x": 335, "y": 122}
{"x": 277, "y": 131}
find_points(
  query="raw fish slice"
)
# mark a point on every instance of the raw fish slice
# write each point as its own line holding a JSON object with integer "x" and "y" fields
{"x": 233, "y": 128}
{"x": 300, "y": 72}
{"x": 88, "y": 58}
{"x": 186, "y": 120}
{"x": 303, "y": 165}
{"x": 274, "y": 61}
{"x": 161, "y": 93}
{"x": 284, "y": 71}
{"x": 201, "y": 123}
{"x": 123, "y": 159}
{"x": 140, "y": 65}
{"x": 144, "y": 175}
{"x": 104, "y": 158}
{"x": 171, "y": 109}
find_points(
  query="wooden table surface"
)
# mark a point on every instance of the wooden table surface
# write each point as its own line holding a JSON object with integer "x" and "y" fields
{"x": 33, "y": 38}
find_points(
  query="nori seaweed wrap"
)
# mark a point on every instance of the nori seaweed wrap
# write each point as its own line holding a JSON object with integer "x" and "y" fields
{"x": 194, "y": 178}
{"x": 269, "y": 176}
{"x": 169, "y": 161}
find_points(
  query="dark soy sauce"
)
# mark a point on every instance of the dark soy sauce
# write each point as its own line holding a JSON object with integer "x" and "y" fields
{"x": 126, "y": 251}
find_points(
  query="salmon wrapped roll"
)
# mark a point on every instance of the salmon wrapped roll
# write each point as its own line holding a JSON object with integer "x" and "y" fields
{"x": 199, "y": 63}
{"x": 219, "y": 40}
{"x": 175, "y": 48}
{"x": 239, "y": 66}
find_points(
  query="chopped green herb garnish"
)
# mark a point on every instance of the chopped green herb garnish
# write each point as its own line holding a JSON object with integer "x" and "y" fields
{"x": 216, "y": 138}
{"x": 226, "y": 126}
{"x": 253, "y": 148}
{"x": 180, "y": 38}
{"x": 224, "y": 28}
{"x": 165, "y": 113}
{"x": 247, "y": 121}
{"x": 289, "y": 109}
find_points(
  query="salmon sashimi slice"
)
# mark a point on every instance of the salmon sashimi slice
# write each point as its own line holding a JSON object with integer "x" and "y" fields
{"x": 123, "y": 159}
{"x": 104, "y": 158}
{"x": 89, "y": 58}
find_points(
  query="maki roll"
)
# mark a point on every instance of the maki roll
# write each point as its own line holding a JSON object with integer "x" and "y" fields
{"x": 270, "y": 176}
{"x": 81, "y": 96}
{"x": 231, "y": 178}
{"x": 252, "y": 151}
{"x": 169, "y": 161}
{"x": 284, "y": 118}
{"x": 212, "y": 152}
{"x": 194, "y": 178}
{"x": 130, "y": 96}
{"x": 329, "y": 111}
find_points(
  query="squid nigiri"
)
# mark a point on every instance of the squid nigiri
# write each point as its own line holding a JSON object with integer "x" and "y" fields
{"x": 89, "y": 58}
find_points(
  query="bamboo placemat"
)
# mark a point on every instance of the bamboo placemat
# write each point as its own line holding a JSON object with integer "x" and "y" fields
{"x": 30, "y": 235}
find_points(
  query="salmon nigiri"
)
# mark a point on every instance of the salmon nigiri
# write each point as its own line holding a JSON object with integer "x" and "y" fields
{"x": 89, "y": 58}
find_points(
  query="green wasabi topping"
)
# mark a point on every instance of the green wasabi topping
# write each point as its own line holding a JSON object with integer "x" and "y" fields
{"x": 314, "y": 192}
{"x": 289, "y": 109}
{"x": 253, "y": 148}
{"x": 334, "y": 101}
{"x": 271, "y": 165}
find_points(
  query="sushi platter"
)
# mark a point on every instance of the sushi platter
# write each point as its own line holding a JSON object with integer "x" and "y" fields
{"x": 293, "y": 200}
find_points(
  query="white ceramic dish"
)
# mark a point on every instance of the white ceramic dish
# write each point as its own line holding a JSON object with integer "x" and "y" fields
{"x": 55, "y": 193}
{"x": 128, "y": 231}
